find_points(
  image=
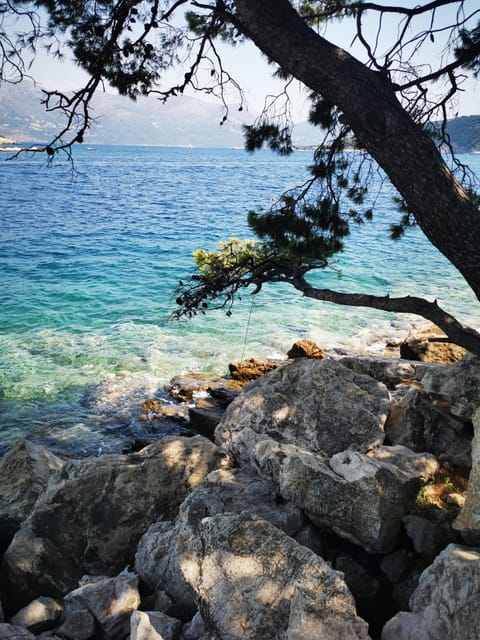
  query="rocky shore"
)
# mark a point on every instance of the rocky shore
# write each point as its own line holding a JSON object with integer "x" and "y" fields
{"x": 334, "y": 496}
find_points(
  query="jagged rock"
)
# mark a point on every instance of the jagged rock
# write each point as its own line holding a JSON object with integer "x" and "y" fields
{"x": 185, "y": 387}
{"x": 195, "y": 629}
{"x": 254, "y": 368}
{"x": 24, "y": 473}
{"x": 468, "y": 522}
{"x": 417, "y": 424}
{"x": 236, "y": 491}
{"x": 360, "y": 581}
{"x": 305, "y": 349}
{"x": 396, "y": 565}
{"x": 90, "y": 519}
{"x": 151, "y": 557}
{"x": 310, "y": 536}
{"x": 13, "y": 632}
{"x": 76, "y": 622}
{"x": 430, "y": 530}
{"x": 252, "y": 581}
{"x": 455, "y": 388}
{"x": 39, "y": 615}
{"x": 205, "y": 416}
{"x": 445, "y": 603}
{"x": 318, "y": 405}
{"x": 390, "y": 371}
{"x": 360, "y": 498}
{"x": 155, "y": 409}
{"x": 429, "y": 345}
{"x": 111, "y": 601}
{"x": 153, "y": 625}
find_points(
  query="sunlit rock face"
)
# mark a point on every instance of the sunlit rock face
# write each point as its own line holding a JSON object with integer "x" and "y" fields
{"x": 445, "y": 603}
{"x": 319, "y": 405}
{"x": 253, "y": 581}
{"x": 93, "y": 513}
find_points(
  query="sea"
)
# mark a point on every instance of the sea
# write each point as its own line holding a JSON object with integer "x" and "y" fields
{"x": 90, "y": 257}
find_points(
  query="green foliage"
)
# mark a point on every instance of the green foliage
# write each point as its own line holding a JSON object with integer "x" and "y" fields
{"x": 468, "y": 50}
{"x": 277, "y": 138}
{"x": 234, "y": 253}
{"x": 302, "y": 232}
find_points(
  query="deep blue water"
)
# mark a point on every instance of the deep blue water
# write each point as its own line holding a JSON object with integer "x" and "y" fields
{"x": 89, "y": 262}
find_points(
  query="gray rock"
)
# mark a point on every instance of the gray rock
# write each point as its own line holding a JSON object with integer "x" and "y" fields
{"x": 195, "y": 629}
{"x": 361, "y": 498}
{"x": 390, "y": 371}
{"x": 153, "y": 548}
{"x": 456, "y": 386}
{"x": 468, "y": 522}
{"x": 231, "y": 491}
{"x": 319, "y": 405}
{"x": 417, "y": 424}
{"x": 76, "y": 623}
{"x": 430, "y": 530}
{"x": 39, "y": 615}
{"x": 360, "y": 581}
{"x": 445, "y": 603}
{"x": 153, "y": 625}
{"x": 111, "y": 601}
{"x": 91, "y": 517}
{"x": 396, "y": 565}
{"x": 252, "y": 581}
{"x": 13, "y": 632}
{"x": 24, "y": 473}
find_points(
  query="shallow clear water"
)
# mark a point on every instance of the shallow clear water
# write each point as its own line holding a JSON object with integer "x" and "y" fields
{"x": 89, "y": 263}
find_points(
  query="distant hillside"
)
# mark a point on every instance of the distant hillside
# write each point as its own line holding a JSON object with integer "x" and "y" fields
{"x": 182, "y": 121}
{"x": 465, "y": 133}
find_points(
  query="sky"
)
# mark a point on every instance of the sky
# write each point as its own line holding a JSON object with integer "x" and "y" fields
{"x": 254, "y": 75}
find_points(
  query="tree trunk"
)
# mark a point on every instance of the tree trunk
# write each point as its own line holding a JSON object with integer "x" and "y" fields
{"x": 406, "y": 153}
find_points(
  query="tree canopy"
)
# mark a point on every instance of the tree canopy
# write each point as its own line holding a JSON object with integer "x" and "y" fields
{"x": 386, "y": 95}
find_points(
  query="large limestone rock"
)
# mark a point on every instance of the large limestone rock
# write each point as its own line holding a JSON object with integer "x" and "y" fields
{"x": 252, "y": 581}
{"x": 224, "y": 491}
{"x": 39, "y": 615}
{"x": 468, "y": 522}
{"x": 111, "y": 601}
{"x": 24, "y": 473}
{"x": 445, "y": 605}
{"x": 359, "y": 497}
{"x": 456, "y": 387}
{"x": 417, "y": 424}
{"x": 390, "y": 371}
{"x": 14, "y": 632}
{"x": 318, "y": 405}
{"x": 430, "y": 345}
{"x": 93, "y": 513}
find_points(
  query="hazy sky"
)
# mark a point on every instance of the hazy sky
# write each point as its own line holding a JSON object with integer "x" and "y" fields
{"x": 254, "y": 75}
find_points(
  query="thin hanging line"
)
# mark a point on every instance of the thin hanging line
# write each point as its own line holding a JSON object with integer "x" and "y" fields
{"x": 247, "y": 328}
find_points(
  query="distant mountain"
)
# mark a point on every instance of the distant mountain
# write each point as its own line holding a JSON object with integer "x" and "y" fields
{"x": 181, "y": 121}
{"x": 465, "y": 133}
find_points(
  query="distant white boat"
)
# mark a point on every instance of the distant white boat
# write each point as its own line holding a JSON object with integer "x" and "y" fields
{"x": 10, "y": 149}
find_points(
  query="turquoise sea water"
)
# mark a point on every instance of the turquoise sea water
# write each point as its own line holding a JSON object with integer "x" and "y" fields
{"x": 89, "y": 262}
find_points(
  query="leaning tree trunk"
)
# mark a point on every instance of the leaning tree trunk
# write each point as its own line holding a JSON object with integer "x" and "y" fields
{"x": 406, "y": 153}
